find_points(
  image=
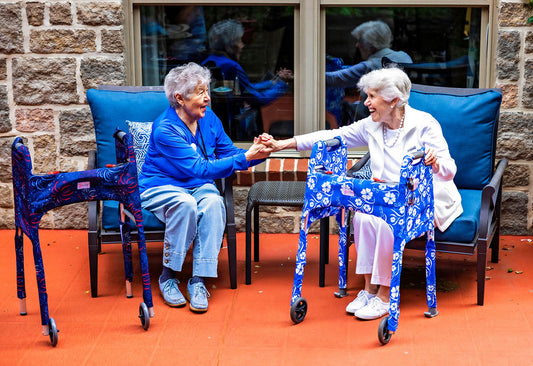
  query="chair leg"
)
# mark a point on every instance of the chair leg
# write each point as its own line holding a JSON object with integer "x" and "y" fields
{"x": 231, "y": 239}
{"x": 256, "y": 234}
{"x": 324, "y": 250}
{"x": 481, "y": 268}
{"x": 93, "y": 262}
{"x": 495, "y": 246}
{"x": 249, "y": 245}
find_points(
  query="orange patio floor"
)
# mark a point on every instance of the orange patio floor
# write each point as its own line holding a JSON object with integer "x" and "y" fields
{"x": 251, "y": 325}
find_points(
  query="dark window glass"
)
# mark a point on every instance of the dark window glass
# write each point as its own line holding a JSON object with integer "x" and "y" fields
{"x": 442, "y": 43}
{"x": 244, "y": 46}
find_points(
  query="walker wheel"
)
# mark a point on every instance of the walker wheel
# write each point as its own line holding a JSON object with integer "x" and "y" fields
{"x": 52, "y": 331}
{"x": 383, "y": 331}
{"x": 298, "y": 310}
{"x": 144, "y": 315}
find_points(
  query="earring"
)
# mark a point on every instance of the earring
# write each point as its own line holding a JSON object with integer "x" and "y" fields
{"x": 392, "y": 106}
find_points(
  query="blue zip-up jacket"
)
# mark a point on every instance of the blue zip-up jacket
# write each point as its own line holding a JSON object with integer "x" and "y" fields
{"x": 178, "y": 158}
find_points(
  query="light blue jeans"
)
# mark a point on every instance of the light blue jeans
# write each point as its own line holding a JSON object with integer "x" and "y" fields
{"x": 191, "y": 216}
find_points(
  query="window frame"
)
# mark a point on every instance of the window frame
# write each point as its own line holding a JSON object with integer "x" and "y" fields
{"x": 309, "y": 60}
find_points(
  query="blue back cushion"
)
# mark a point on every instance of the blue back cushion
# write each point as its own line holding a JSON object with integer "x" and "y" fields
{"x": 469, "y": 123}
{"x": 111, "y": 109}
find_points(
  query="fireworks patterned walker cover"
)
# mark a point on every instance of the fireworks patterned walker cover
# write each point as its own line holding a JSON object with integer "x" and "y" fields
{"x": 407, "y": 206}
{"x": 36, "y": 194}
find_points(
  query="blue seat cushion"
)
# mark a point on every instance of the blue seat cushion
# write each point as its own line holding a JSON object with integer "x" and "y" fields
{"x": 111, "y": 109}
{"x": 464, "y": 228}
{"x": 110, "y": 218}
{"x": 469, "y": 123}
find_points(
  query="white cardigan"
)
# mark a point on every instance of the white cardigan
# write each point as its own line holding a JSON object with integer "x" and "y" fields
{"x": 420, "y": 130}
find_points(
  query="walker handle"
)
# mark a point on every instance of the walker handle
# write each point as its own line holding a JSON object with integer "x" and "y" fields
{"x": 332, "y": 142}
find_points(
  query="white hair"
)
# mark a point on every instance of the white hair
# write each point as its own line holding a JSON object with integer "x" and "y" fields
{"x": 390, "y": 83}
{"x": 373, "y": 35}
{"x": 183, "y": 80}
{"x": 225, "y": 36}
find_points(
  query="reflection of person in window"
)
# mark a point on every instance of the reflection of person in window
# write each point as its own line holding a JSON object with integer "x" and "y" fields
{"x": 373, "y": 40}
{"x": 225, "y": 44}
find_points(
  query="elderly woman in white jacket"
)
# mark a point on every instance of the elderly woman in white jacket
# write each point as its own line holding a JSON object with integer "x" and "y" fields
{"x": 392, "y": 129}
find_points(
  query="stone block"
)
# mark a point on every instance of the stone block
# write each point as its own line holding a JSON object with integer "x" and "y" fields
{"x": 514, "y": 14}
{"x": 44, "y": 155}
{"x": 35, "y": 13}
{"x": 100, "y": 13}
{"x": 516, "y": 175}
{"x": 6, "y": 195}
{"x": 514, "y": 214}
{"x": 7, "y": 219}
{"x": 3, "y": 69}
{"x": 41, "y": 80}
{"x": 62, "y": 41}
{"x": 11, "y": 39}
{"x": 529, "y": 42}
{"x": 77, "y": 132}
{"x": 112, "y": 41}
{"x": 527, "y": 91}
{"x": 509, "y": 96}
{"x": 515, "y": 136}
{"x": 5, "y": 158}
{"x": 509, "y": 45}
{"x": 34, "y": 120}
{"x": 60, "y": 14}
{"x": 74, "y": 216}
{"x": 5, "y": 122}
{"x": 101, "y": 70}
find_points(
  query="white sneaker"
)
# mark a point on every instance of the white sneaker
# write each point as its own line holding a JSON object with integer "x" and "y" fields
{"x": 375, "y": 309}
{"x": 360, "y": 301}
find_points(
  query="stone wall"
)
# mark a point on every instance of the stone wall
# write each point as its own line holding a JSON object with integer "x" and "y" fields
{"x": 515, "y": 135}
{"x": 51, "y": 52}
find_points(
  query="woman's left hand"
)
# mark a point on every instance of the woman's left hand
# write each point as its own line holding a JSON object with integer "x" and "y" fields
{"x": 431, "y": 159}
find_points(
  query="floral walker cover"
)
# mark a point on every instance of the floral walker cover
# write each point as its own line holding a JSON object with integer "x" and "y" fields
{"x": 407, "y": 206}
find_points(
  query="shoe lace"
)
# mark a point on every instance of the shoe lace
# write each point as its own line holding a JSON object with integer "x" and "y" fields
{"x": 200, "y": 289}
{"x": 169, "y": 284}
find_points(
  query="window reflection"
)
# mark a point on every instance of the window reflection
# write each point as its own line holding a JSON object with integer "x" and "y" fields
{"x": 443, "y": 44}
{"x": 249, "y": 51}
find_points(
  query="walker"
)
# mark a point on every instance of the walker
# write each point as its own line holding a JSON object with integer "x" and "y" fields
{"x": 36, "y": 194}
{"x": 407, "y": 206}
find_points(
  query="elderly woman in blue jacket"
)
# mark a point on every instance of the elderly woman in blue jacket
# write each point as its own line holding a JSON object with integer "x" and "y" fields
{"x": 225, "y": 44}
{"x": 189, "y": 149}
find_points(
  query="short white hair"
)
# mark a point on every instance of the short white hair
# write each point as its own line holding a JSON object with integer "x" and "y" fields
{"x": 390, "y": 83}
{"x": 183, "y": 80}
{"x": 225, "y": 36}
{"x": 373, "y": 35}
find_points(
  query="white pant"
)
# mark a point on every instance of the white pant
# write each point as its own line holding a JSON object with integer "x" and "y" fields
{"x": 374, "y": 242}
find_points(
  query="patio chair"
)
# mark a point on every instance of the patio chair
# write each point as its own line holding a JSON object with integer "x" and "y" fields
{"x": 469, "y": 120}
{"x": 111, "y": 108}
{"x": 35, "y": 195}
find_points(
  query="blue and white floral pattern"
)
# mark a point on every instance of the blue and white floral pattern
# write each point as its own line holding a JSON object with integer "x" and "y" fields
{"x": 407, "y": 206}
{"x": 34, "y": 195}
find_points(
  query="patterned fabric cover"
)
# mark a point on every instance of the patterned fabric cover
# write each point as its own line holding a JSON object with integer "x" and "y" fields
{"x": 407, "y": 206}
{"x": 140, "y": 131}
{"x": 36, "y": 194}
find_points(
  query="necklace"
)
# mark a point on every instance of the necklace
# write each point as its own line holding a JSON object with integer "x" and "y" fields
{"x": 397, "y": 134}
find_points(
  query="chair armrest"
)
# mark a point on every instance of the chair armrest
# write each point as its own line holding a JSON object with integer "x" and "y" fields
{"x": 490, "y": 196}
{"x": 91, "y": 164}
{"x": 357, "y": 166}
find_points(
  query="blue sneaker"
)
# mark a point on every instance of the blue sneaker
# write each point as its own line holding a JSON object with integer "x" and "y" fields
{"x": 197, "y": 295}
{"x": 171, "y": 293}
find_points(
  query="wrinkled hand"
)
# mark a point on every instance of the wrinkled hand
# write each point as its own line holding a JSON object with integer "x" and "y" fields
{"x": 257, "y": 150}
{"x": 431, "y": 159}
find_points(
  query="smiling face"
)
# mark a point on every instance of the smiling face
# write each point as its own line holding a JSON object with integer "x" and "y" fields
{"x": 193, "y": 108}
{"x": 379, "y": 108}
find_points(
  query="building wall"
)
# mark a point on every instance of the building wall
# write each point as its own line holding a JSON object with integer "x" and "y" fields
{"x": 51, "y": 52}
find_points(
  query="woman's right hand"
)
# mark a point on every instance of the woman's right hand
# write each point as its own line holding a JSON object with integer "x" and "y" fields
{"x": 257, "y": 151}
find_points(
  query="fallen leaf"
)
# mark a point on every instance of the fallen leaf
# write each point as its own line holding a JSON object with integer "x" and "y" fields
{"x": 510, "y": 270}
{"x": 488, "y": 278}
{"x": 489, "y": 268}
{"x": 518, "y": 272}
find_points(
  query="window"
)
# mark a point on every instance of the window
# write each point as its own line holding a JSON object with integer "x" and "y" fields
{"x": 452, "y": 39}
{"x": 245, "y": 47}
